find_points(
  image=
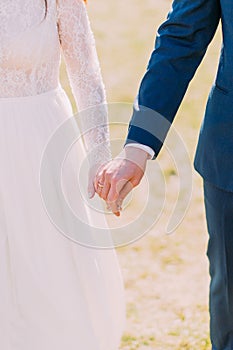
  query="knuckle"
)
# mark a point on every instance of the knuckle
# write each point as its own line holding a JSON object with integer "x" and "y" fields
{"x": 108, "y": 174}
{"x": 103, "y": 172}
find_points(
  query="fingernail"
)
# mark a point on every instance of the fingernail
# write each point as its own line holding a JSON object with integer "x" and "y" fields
{"x": 89, "y": 194}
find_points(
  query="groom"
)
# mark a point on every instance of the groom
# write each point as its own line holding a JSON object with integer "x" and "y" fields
{"x": 180, "y": 45}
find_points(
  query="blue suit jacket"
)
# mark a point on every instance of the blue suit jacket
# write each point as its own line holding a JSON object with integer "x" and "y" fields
{"x": 180, "y": 45}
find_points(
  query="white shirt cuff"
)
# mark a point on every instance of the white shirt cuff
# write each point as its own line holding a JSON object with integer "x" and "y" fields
{"x": 148, "y": 149}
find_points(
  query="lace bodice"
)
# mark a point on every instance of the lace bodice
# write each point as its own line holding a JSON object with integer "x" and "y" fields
{"x": 31, "y": 46}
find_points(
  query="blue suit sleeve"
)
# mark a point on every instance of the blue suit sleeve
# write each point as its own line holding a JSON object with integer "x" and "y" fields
{"x": 180, "y": 45}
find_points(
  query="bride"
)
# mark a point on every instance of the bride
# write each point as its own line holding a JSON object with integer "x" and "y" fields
{"x": 54, "y": 293}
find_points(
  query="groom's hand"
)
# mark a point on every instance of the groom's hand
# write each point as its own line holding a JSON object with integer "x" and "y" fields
{"x": 118, "y": 177}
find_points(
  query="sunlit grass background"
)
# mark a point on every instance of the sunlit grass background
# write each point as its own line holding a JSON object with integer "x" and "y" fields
{"x": 166, "y": 276}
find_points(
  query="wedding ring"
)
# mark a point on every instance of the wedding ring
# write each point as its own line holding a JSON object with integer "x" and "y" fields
{"x": 100, "y": 185}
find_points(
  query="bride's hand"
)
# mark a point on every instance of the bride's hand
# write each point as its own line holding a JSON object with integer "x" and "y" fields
{"x": 118, "y": 177}
{"x": 93, "y": 187}
{"x": 93, "y": 170}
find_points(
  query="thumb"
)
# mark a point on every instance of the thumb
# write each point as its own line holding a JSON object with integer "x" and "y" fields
{"x": 90, "y": 188}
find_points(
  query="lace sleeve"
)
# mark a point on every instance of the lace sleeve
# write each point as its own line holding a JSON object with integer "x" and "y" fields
{"x": 83, "y": 70}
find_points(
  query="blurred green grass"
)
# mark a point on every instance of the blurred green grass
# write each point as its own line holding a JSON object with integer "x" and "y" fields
{"x": 166, "y": 277}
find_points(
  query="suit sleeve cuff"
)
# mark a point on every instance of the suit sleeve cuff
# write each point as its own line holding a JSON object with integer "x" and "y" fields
{"x": 145, "y": 148}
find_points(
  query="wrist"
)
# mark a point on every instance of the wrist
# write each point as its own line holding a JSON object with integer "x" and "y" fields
{"x": 149, "y": 150}
{"x": 135, "y": 155}
{"x": 131, "y": 151}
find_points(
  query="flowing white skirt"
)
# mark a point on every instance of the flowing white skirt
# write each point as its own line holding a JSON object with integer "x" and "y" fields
{"x": 55, "y": 294}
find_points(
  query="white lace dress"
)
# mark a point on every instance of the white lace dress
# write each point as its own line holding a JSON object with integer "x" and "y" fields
{"x": 55, "y": 294}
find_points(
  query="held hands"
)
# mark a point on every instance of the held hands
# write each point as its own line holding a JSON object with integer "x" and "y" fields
{"x": 115, "y": 179}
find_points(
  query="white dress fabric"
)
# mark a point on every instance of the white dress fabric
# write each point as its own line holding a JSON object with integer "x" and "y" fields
{"x": 55, "y": 294}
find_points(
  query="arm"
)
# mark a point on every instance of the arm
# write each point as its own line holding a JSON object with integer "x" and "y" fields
{"x": 79, "y": 52}
{"x": 180, "y": 46}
